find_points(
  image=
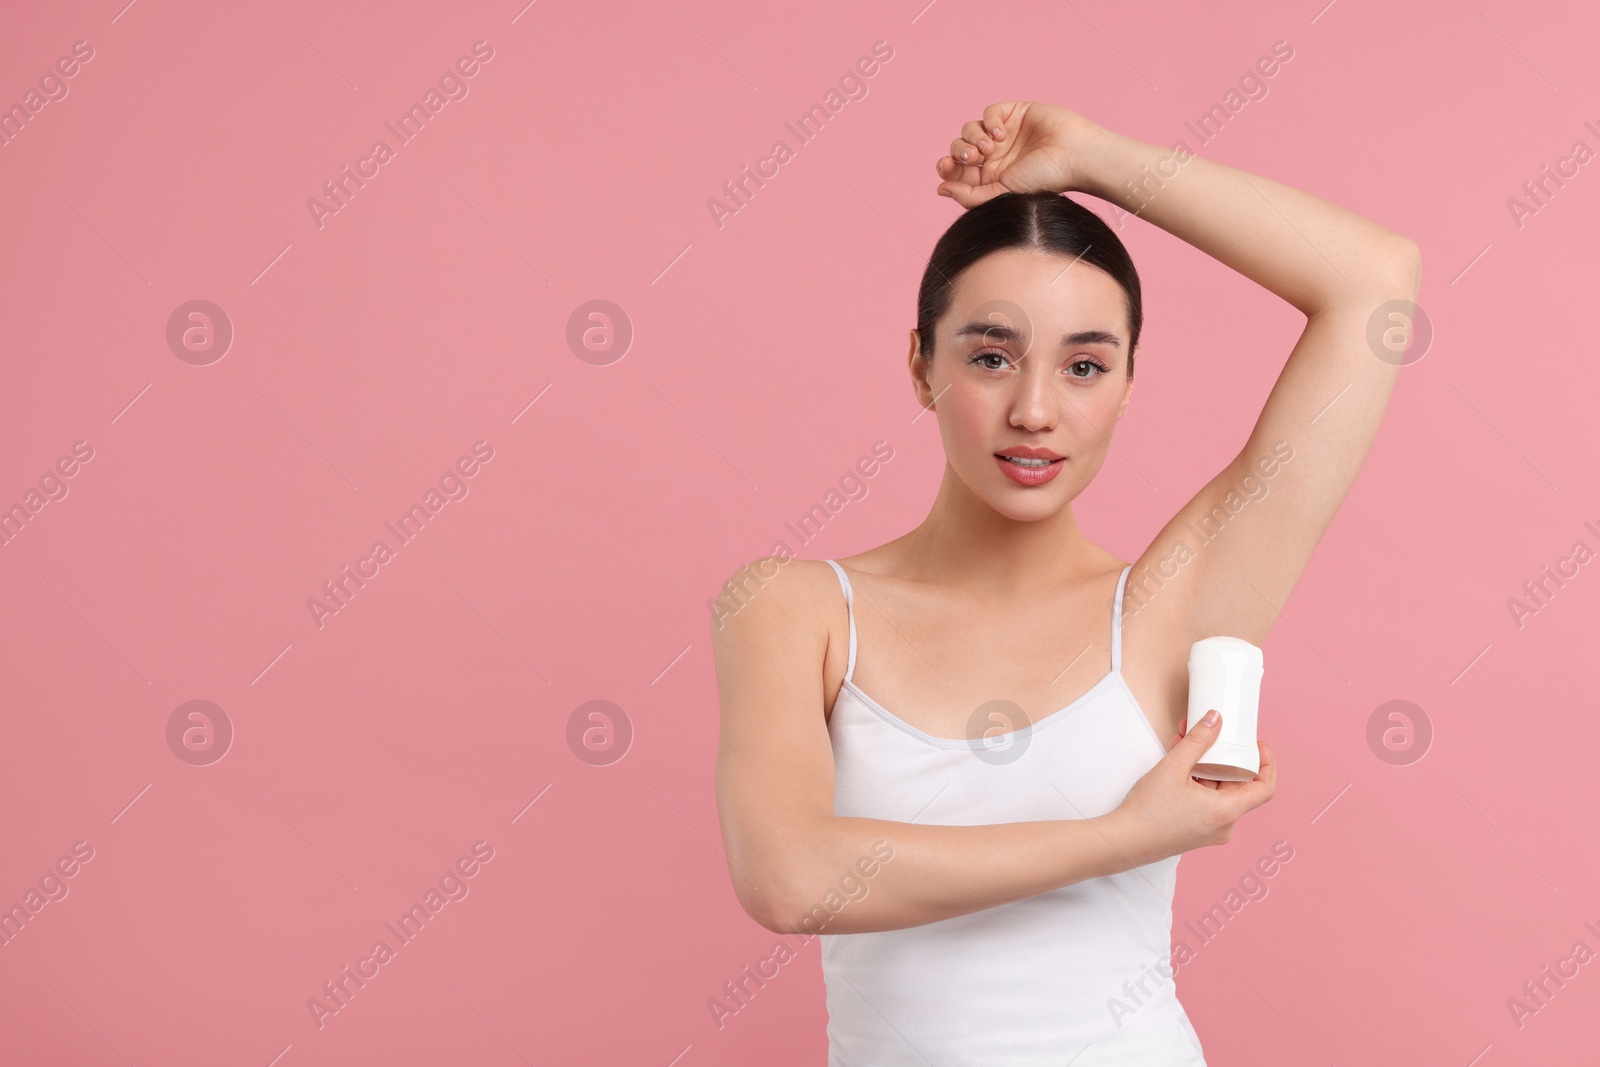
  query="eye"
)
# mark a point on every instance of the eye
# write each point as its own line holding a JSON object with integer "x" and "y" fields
{"x": 979, "y": 358}
{"x": 1094, "y": 363}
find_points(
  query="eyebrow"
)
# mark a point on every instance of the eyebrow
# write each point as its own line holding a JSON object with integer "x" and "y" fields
{"x": 1002, "y": 334}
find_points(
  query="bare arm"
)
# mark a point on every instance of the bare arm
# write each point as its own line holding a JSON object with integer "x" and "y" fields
{"x": 796, "y": 866}
{"x": 937, "y": 872}
{"x": 1275, "y": 499}
{"x": 1314, "y": 254}
{"x": 1351, "y": 277}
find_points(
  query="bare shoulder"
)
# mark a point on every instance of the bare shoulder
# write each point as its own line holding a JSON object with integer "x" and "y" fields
{"x": 769, "y": 608}
{"x": 772, "y": 592}
{"x": 783, "y": 611}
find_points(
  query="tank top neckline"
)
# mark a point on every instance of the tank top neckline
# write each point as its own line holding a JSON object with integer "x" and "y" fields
{"x": 1113, "y": 676}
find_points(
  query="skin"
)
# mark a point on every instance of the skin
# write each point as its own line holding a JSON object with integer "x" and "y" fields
{"x": 999, "y": 583}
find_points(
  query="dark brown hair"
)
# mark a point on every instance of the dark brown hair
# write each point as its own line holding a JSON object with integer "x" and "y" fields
{"x": 1046, "y": 221}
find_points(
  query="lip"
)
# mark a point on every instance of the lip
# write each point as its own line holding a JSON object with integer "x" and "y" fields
{"x": 1026, "y": 475}
{"x": 1024, "y": 452}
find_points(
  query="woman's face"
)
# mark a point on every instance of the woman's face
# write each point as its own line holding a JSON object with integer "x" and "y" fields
{"x": 1032, "y": 353}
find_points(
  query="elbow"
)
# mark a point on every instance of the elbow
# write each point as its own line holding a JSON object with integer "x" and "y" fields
{"x": 826, "y": 913}
{"x": 773, "y": 919}
{"x": 781, "y": 906}
{"x": 806, "y": 920}
{"x": 772, "y": 873}
{"x": 1403, "y": 267}
{"x": 762, "y": 891}
{"x": 770, "y": 909}
{"x": 1389, "y": 271}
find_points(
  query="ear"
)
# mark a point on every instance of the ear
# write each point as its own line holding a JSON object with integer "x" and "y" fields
{"x": 919, "y": 373}
{"x": 1127, "y": 391}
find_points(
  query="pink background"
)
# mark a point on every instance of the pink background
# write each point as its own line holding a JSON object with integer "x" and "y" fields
{"x": 768, "y": 355}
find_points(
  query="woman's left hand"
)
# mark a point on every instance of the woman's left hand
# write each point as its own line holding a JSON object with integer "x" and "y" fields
{"x": 1018, "y": 147}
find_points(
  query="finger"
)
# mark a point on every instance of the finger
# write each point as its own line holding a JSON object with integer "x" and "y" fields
{"x": 1269, "y": 769}
{"x": 1259, "y": 790}
{"x": 960, "y": 192}
{"x": 1196, "y": 740}
{"x": 968, "y": 195}
{"x": 1269, "y": 766}
{"x": 994, "y": 118}
{"x": 957, "y": 183}
{"x": 967, "y": 152}
{"x": 976, "y": 133}
{"x": 954, "y": 170}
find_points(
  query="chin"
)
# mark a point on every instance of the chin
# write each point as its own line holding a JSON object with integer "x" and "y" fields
{"x": 1025, "y": 504}
{"x": 1027, "y": 510}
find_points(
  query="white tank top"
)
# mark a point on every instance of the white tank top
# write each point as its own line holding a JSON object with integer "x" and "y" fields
{"x": 1079, "y": 975}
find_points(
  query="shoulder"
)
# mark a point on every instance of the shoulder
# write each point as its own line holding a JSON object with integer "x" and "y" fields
{"x": 775, "y": 628}
{"x": 775, "y": 593}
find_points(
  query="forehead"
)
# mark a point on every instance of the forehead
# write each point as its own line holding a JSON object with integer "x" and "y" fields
{"x": 1055, "y": 293}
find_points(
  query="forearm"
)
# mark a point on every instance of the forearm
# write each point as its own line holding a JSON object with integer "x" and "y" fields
{"x": 938, "y": 872}
{"x": 1311, "y": 253}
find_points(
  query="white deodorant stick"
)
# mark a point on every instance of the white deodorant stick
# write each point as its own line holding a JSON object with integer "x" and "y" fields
{"x": 1225, "y": 673}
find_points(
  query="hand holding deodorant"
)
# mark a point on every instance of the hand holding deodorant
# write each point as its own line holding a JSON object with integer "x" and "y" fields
{"x": 1225, "y": 673}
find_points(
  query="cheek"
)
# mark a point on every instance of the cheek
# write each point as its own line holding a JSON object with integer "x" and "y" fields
{"x": 1092, "y": 415}
{"x": 969, "y": 413}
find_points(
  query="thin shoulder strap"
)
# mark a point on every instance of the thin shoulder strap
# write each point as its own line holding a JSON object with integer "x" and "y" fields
{"x": 1116, "y": 621}
{"x": 849, "y": 607}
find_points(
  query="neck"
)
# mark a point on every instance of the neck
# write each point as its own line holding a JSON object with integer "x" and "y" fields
{"x": 964, "y": 536}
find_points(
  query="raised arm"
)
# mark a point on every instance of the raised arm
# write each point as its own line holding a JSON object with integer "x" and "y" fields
{"x": 797, "y": 867}
{"x": 1313, "y": 254}
{"x": 1351, "y": 277}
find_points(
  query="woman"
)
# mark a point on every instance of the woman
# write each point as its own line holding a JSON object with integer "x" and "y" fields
{"x": 990, "y": 838}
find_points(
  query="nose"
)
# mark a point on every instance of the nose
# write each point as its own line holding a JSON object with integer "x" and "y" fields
{"x": 1033, "y": 406}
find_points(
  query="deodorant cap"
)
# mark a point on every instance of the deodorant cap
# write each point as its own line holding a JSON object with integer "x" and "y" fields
{"x": 1232, "y": 644}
